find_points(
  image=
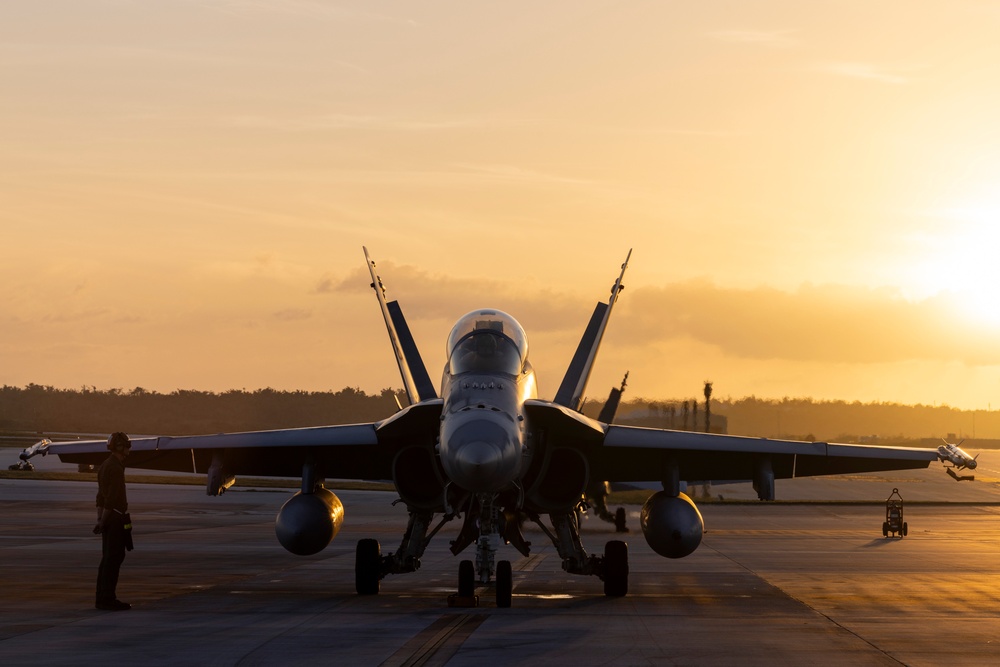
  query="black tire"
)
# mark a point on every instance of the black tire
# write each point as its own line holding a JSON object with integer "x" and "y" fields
{"x": 620, "y": 526}
{"x": 903, "y": 534}
{"x": 616, "y": 569}
{"x": 466, "y": 579}
{"x": 367, "y": 567}
{"x": 885, "y": 529}
{"x": 505, "y": 584}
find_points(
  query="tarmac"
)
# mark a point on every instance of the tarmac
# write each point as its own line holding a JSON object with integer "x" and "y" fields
{"x": 772, "y": 583}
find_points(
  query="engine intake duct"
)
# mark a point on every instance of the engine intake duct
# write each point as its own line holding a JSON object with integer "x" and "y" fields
{"x": 561, "y": 483}
{"x": 419, "y": 479}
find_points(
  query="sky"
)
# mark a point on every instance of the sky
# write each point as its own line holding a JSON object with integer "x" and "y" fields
{"x": 811, "y": 192}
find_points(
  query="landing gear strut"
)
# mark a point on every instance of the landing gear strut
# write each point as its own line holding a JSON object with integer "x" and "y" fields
{"x": 612, "y": 568}
{"x": 370, "y": 566}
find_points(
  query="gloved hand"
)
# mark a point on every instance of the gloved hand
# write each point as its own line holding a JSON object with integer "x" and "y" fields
{"x": 98, "y": 528}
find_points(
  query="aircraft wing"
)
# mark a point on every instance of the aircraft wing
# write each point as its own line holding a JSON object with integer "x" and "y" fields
{"x": 347, "y": 451}
{"x": 635, "y": 454}
{"x": 626, "y": 451}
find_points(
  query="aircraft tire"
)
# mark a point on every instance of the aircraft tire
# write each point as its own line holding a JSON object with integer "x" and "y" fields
{"x": 885, "y": 529}
{"x": 505, "y": 584}
{"x": 466, "y": 579}
{"x": 616, "y": 569}
{"x": 367, "y": 567}
{"x": 620, "y": 519}
{"x": 904, "y": 529}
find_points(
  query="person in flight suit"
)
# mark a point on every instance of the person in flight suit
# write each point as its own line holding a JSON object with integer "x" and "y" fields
{"x": 112, "y": 506}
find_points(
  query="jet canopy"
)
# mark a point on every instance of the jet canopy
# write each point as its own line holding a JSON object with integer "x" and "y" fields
{"x": 487, "y": 341}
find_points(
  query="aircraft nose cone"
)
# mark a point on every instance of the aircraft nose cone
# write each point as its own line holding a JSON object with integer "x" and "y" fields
{"x": 475, "y": 459}
{"x": 477, "y": 462}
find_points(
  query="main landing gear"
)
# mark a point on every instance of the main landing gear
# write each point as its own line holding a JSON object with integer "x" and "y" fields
{"x": 485, "y": 525}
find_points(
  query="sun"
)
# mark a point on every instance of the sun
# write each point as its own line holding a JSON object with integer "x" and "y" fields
{"x": 962, "y": 260}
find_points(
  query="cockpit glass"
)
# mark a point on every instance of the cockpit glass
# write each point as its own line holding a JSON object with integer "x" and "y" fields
{"x": 487, "y": 341}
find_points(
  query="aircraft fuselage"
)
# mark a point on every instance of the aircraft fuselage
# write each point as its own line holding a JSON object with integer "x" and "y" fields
{"x": 483, "y": 442}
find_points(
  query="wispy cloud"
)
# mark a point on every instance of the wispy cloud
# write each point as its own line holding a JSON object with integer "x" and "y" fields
{"x": 335, "y": 121}
{"x": 430, "y": 296}
{"x": 301, "y": 8}
{"x": 865, "y": 71}
{"x": 781, "y": 39}
{"x": 833, "y": 324}
{"x": 292, "y": 315}
{"x": 507, "y": 172}
{"x": 90, "y": 315}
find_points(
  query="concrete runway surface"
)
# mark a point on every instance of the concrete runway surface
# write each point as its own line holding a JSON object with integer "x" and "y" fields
{"x": 772, "y": 583}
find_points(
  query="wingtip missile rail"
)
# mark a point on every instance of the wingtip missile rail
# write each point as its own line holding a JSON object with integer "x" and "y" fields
{"x": 959, "y": 458}
{"x": 40, "y": 447}
{"x": 24, "y": 464}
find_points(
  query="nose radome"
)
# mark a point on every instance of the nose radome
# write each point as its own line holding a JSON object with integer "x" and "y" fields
{"x": 477, "y": 463}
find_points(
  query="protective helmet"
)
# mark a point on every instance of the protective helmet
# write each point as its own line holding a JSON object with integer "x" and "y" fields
{"x": 118, "y": 440}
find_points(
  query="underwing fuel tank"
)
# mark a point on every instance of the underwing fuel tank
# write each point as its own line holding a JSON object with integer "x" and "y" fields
{"x": 672, "y": 525}
{"x": 308, "y": 522}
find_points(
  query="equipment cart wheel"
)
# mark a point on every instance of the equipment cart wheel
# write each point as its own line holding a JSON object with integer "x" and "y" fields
{"x": 885, "y": 529}
{"x": 505, "y": 584}
{"x": 367, "y": 567}
{"x": 466, "y": 579}
{"x": 904, "y": 529}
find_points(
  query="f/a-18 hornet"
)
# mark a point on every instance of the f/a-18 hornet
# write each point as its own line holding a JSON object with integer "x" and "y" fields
{"x": 487, "y": 451}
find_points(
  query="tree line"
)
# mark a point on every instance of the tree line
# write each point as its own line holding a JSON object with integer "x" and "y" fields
{"x": 838, "y": 421}
{"x": 184, "y": 412}
{"x": 187, "y": 412}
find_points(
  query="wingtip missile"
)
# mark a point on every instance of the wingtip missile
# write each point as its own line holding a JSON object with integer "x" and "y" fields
{"x": 40, "y": 447}
{"x": 959, "y": 458}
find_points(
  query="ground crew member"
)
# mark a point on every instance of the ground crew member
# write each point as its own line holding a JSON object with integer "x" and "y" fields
{"x": 112, "y": 508}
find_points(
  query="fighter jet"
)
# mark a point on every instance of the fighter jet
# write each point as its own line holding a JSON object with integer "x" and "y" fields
{"x": 488, "y": 452}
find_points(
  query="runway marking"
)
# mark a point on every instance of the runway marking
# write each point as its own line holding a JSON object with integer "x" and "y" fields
{"x": 438, "y": 643}
{"x": 529, "y": 564}
{"x": 811, "y": 607}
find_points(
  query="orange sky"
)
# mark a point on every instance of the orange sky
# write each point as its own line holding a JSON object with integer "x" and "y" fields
{"x": 811, "y": 190}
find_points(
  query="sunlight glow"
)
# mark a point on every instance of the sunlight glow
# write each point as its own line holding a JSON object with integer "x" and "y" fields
{"x": 961, "y": 260}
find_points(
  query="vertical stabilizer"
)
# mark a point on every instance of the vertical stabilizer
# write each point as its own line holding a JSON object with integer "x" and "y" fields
{"x": 610, "y": 408}
{"x": 416, "y": 381}
{"x": 574, "y": 383}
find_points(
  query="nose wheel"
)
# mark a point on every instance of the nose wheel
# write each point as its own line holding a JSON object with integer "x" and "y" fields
{"x": 466, "y": 579}
{"x": 505, "y": 584}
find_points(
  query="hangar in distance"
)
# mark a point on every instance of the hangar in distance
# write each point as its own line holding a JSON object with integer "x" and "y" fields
{"x": 486, "y": 451}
